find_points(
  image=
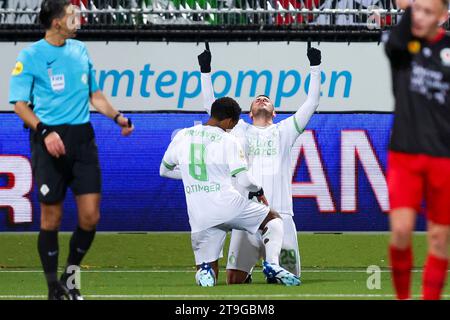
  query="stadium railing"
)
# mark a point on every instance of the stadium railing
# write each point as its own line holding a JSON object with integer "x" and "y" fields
{"x": 324, "y": 20}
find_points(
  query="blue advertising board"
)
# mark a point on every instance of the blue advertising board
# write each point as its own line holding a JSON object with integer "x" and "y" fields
{"x": 136, "y": 198}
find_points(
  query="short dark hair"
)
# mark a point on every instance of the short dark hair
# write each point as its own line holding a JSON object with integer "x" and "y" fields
{"x": 52, "y": 9}
{"x": 225, "y": 108}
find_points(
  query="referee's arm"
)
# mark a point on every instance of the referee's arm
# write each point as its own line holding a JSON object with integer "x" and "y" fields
{"x": 52, "y": 141}
{"x": 27, "y": 115}
{"x": 102, "y": 105}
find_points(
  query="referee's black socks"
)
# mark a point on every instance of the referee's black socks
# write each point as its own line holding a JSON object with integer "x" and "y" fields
{"x": 48, "y": 251}
{"x": 79, "y": 245}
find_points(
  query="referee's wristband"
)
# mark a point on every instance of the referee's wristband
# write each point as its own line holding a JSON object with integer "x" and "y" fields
{"x": 43, "y": 130}
{"x": 130, "y": 123}
{"x": 117, "y": 117}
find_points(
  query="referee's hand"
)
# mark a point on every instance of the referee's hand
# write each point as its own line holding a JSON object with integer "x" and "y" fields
{"x": 54, "y": 145}
{"x": 123, "y": 123}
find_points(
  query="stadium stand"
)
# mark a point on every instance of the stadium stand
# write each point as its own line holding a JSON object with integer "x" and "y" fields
{"x": 226, "y": 20}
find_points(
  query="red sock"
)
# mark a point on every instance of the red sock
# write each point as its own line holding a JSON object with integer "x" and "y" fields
{"x": 434, "y": 277}
{"x": 401, "y": 265}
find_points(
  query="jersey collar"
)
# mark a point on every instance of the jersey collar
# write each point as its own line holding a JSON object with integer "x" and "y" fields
{"x": 439, "y": 36}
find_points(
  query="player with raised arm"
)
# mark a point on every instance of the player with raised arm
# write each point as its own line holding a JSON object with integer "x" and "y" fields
{"x": 206, "y": 157}
{"x": 267, "y": 147}
{"x": 419, "y": 151}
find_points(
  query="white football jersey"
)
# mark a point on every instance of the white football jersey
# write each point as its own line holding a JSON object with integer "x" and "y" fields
{"x": 208, "y": 157}
{"x": 268, "y": 149}
{"x": 268, "y": 152}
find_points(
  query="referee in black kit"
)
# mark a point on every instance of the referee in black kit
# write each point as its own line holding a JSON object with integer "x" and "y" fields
{"x": 56, "y": 75}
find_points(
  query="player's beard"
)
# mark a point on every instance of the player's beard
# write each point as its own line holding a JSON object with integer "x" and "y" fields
{"x": 262, "y": 113}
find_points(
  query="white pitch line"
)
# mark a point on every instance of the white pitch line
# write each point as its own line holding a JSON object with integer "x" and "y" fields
{"x": 193, "y": 296}
{"x": 192, "y": 271}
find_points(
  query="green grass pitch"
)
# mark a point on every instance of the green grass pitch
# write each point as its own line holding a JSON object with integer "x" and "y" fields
{"x": 160, "y": 266}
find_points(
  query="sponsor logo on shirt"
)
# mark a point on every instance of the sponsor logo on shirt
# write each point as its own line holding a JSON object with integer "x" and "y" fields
{"x": 49, "y": 63}
{"x": 241, "y": 154}
{"x": 414, "y": 47}
{"x": 427, "y": 52}
{"x": 445, "y": 56}
{"x": 57, "y": 82}
{"x": 263, "y": 146}
{"x": 429, "y": 83}
{"x": 18, "y": 68}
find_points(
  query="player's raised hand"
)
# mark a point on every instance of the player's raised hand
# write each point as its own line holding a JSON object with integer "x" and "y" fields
{"x": 314, "y": 56}
{"x": 204, "y": 59}
{"x": 126, "y": 125}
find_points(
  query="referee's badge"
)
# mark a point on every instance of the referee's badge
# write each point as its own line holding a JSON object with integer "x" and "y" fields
{"x": 445, "y": 56}
{"x": 414, "y": 47}
{"x": 57, "y": 82}
{"x": 18, "y": 68}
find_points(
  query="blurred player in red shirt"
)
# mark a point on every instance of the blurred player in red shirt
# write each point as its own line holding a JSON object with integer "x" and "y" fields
{"x": 419, "y": 152}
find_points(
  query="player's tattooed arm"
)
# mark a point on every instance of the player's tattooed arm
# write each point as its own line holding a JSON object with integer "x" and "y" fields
{"x": 204, "y": 61}
{"x": 305, "y": 112}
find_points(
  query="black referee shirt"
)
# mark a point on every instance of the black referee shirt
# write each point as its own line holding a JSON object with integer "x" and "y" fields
{"x": 421, "y": 84}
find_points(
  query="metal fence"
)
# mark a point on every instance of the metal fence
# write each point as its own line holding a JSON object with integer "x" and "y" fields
{"x": 376, "y": 14}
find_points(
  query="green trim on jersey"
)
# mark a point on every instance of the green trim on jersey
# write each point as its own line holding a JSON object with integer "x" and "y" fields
{"x": 169, "y": 166}
{"x": 235, "y": 172}
{"x": 296, "y": 125}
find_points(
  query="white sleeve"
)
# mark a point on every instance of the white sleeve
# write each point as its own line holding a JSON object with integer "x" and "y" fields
{"x": 240, "y": 129}
{"x": 207, "y": 92}
{"x": 235, "y": 156}
{"x": 293, "y": 126}
{"x": 247, "y": 181}
{"x": 308, "y": 108}
{"x": 170, "y": 159}
{"x": 174, "y": 173}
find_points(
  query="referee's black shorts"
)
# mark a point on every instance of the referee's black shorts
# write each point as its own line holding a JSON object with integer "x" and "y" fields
{"x": 78, "y": 170}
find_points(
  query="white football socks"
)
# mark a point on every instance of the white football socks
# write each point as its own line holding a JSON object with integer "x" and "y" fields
{"x": 272, "y": 237}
